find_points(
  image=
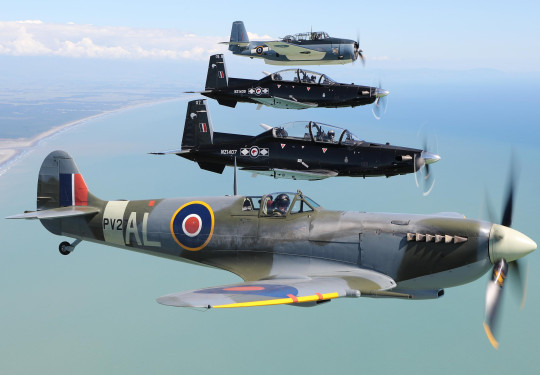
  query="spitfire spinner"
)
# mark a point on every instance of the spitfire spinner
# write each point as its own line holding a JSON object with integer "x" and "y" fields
{"x": 286, "y": 248}
{"x": 309, "y": 48}
{"x": 289, "y": 89}
{"x": 297, "y": 150}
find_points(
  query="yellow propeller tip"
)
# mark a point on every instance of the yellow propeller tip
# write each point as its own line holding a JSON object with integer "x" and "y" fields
{"x": 490, "y": 336}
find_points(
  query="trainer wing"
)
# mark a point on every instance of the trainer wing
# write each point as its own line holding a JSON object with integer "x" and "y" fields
{"x": 281, "y": 291}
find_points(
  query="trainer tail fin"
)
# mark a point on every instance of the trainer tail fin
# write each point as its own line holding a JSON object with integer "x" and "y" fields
{"x": 198, "y": 128}
{"x": 217, "y": 73}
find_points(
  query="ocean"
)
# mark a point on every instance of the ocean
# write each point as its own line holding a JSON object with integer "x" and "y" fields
{"x": 95, "y": 311}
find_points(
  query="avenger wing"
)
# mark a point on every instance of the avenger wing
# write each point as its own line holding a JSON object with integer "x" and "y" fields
{"x": 278, "y": 291}
{"x": 294, "y": 51}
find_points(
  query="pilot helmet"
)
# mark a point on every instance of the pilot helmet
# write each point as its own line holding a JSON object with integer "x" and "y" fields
{"x": 331, "y": 133}
{"x": 282, "y": 201}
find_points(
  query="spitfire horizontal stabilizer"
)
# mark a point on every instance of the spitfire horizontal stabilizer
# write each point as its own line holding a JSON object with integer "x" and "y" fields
{"x": 57, "y": 213}
{"x": 311, "y": 175}
{"x": 278, "y": 291}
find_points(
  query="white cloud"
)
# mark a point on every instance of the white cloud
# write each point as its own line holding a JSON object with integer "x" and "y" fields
{"x": 35, "y": 38}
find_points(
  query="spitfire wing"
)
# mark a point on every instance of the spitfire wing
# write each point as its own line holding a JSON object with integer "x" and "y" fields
{"x": 295, "y": 52}
{"x": 293, "y": 174}
{"x": 281, "y": 291}
{"x": 284, "y": 103}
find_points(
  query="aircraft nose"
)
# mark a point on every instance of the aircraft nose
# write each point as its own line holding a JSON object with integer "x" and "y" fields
{"x": 429, "y": 157}
{"x": 509, "y": 244}
{"x": 379, "y": 92}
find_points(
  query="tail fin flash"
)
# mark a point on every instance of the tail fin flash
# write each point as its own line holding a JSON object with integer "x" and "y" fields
{"x": 198, "y": 127}
{"x": 60, "y": 184}
{"x": 238, "y": 35}
{"x": 217, "y": 74}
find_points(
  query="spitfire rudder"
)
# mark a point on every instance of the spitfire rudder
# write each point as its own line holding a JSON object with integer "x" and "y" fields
{"x": 60, "y": 184}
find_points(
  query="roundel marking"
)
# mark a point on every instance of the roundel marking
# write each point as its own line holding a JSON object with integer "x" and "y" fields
{"x": 258, "y": 91}
{"x": 254, "y": 151}
{"x": 192, "y": 225}
{"x": 259, "y": 50}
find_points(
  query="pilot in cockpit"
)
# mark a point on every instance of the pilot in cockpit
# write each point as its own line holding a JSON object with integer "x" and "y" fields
{"x": 331, "y": 136}
{"x": 281, "y": 205}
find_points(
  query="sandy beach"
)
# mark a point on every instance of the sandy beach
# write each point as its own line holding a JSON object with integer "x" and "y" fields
{"x": 11, "y": 149}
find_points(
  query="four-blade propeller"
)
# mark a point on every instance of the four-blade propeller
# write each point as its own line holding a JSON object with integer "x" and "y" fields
{"x": 506, "y": 246}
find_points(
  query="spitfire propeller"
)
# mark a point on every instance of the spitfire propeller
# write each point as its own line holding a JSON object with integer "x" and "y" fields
{"x": 506, "y": 246}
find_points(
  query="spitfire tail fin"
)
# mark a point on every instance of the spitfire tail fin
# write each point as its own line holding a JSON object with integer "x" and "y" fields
{"x": 217, "y": 73}
{"x": 238, "y": 35}
{"x": 60, "y": 184}
{"x": 198, "y": 127}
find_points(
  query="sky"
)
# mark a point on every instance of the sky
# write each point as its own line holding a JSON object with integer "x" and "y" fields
{"x": 458, "y": 35}
{"x": 466, "y": 71}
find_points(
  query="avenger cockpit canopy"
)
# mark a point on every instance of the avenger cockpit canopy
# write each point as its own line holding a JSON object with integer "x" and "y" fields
{"x": 310, "y": 35}
{"x": 316, "y": 132}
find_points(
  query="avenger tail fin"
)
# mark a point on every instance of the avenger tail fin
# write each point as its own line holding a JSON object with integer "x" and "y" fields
{"x": 217, "y": 73}
{"x": 198, "y": 128}
{"x": 238, "y": 35}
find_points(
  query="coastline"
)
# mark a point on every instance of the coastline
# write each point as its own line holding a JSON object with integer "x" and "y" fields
{"x": 12, "y": 150}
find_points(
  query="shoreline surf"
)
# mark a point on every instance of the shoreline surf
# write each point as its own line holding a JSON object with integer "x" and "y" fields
{"x": 11, "y": 150}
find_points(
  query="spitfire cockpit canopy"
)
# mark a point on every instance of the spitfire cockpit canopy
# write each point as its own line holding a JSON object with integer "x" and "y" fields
{"x": 310, "y": 35}
{"x": 315, "y": 132}
{"x": 302, "y": 75}
{"x": 285, "y": 203}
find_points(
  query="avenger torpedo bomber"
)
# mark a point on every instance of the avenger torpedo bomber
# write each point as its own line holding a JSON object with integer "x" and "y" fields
{"x": 303, "y": 150}
{"x": 285, "y": 247}
{"x": 309, "y": 48}
{"x": 289, "y": 89}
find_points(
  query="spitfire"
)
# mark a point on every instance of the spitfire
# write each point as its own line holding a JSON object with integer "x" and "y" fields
{"x": 286, "y": 248}
{"x": 288, "y": 89}
{"x": 309, "y": 48}
{"x": 299, "y": 150}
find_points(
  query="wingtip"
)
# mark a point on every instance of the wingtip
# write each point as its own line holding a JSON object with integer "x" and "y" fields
{"x": 490, "y": 336}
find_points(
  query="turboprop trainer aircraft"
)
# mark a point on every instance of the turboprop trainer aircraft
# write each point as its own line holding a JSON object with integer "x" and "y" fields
{"x": 289, "y": 89}
{"x": 286, "y": 248}
{"x": 309, "y": 48}
{"x": 303, "y": 150}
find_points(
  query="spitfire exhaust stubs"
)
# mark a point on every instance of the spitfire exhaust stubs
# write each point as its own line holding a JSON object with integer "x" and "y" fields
{"x": 437, "y": 238}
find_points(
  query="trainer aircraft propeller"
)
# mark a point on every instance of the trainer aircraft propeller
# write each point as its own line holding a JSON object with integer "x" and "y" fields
{"x": 285, "y": 247}
{"x": 309, "y": 48}
{"x": 289, "y": 89}
{"x": 303, "y": 150}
